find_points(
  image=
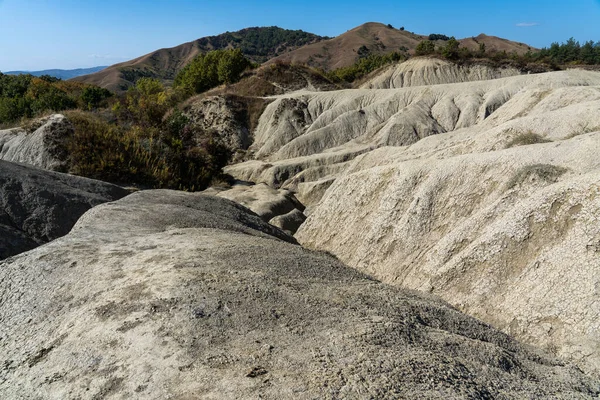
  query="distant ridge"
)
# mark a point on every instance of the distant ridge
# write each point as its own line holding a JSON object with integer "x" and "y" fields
{"x": 274, "y": 44}
{"x": 60, "y": 73}
{"x": 376, "y": 38}
{"x": 259, "y": 44}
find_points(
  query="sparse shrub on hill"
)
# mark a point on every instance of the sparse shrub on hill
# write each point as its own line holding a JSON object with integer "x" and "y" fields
{"x": 174, "y": 155}
{"x": 525, "y": 139}
{"x": 545, "y": 173}
{"x": 424, "y": 48}
{"x": 364, "y": 66}
{"x": 212, "y": 69}
{"x": 451, "y": 49}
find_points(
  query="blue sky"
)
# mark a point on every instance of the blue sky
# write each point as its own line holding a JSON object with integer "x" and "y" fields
{"x": 44, "y": 34}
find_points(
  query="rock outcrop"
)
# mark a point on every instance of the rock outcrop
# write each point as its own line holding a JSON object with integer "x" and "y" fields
{"x": 305, "y": 140}
{"x": 434, "y": 71}
{"x": 279, "y": 207}
{"x": 174, "y": 295}
{"x": 225, "y": 115}
{"x": 499, "y": 218}
{"x": 38, "y": 206}
{"x": 42, "y": 144}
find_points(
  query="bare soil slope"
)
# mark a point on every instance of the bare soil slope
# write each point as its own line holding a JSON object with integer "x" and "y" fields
{"x": 433, "y": 71}
{"x": 174, "y": 295}
{"x": 485, "y": 193}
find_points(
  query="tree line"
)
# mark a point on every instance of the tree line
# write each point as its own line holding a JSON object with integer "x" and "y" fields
{"x": 569, "y": 52}
{"x": 25, "y": 96}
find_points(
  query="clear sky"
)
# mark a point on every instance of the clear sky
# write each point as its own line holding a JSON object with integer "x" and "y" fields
{"x": 45, "y": 34}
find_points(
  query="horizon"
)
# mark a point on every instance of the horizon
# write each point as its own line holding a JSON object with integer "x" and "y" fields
{"x": 50, "y": 35}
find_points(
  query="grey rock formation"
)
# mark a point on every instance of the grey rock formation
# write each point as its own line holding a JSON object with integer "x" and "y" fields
{"x": 174, "y": 295}
{"x": 264, "y": 200}
{"x": 224, "y": 115}
{"x": 37, "y": 206}
{"x": 42, "y": 145}
{"x": 289, "y": 222}
{"x": 416, "y": 186}
{"x": 310, "y": 137}
{"x": 507, "y": 235}
{"x": 433, "y": 71}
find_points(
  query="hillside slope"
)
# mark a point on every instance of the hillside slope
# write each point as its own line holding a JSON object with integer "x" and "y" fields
{"x": 343, "y": 50}
{"x": 174, "y": 295}
{"x": 430, "y": 197}
{"x": 258, "y": 44}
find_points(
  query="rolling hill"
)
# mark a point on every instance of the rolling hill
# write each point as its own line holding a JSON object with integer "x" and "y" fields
{"x": 60, "y": 73}
{"x": 343, "y": 50}
{"x": 273, "y": 44}
{"x": 258, "y": 44}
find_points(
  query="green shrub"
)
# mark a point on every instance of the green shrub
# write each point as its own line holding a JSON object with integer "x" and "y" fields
{"x": 424, "y": 48}
{"x": 174, "y": 155}
{"x": 212, "y": 69}
{"x": 364, "y": 66}
{"x": 94, "y": 96}
{"x": 438, "y": 36}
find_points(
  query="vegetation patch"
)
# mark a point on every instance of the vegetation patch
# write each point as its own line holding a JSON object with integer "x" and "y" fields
{"x": 26, "y": 96}
{"x": 546, "y": 173}
{"x": 212, "y": 69}
{"x": 261, "y": 44}
{"x": 569, "y": 53}
{"x": 525, "y": 139}
{"x": 364, "y": 66}
{"x": 142, "y": 141}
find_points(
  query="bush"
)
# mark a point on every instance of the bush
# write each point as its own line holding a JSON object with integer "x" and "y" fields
{"x": 93, "y": 97}
{"x": 146, "y": 103}
{"x": 174, "y": 155}
{"x": 424, "y": 48}
{"x": 212, "y": 69}
{"x": 451, "y": 49}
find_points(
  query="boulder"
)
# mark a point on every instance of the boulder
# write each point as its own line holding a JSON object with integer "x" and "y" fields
{"x": 41, "y": 144}
{"x": 37, "y": 206}
{"x": 265, "y": 201}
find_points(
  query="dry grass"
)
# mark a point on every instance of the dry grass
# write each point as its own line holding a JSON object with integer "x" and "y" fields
{"x": 525, "y": 139}
{"x": 582, "y": 129}
{"x": 546, "y": 173}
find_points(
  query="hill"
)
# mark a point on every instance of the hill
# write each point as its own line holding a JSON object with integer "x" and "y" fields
{"x": 173, "y": 295}
{"x": 376, "y": 38}
{"x": 60, "y": 73}
{"x": 484, "y": 193}
{"x": 257, "y": 44}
